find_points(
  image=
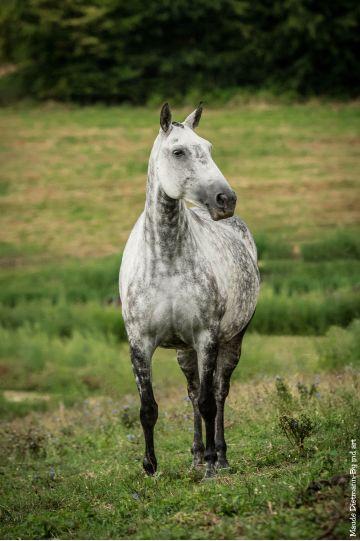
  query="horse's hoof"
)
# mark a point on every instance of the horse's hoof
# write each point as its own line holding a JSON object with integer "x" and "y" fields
{"x": 210, "y": 473}
{"x": 198, "y": 461}
{"x": 149, "y": 466}
{"x": 222, "y": 464}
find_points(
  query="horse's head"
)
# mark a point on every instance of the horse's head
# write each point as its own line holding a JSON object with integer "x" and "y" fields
{"x": 186, "y": 169}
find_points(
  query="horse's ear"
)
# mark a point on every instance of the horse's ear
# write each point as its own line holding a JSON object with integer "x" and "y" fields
{"x": 165, "y": 117}
{"x": 194, "y": 118}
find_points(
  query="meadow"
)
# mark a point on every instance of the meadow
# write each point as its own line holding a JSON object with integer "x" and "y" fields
{"x": 72, "y": 184}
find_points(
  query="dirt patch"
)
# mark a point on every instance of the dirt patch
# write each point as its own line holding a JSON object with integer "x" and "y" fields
{"x": 25, "y": 396}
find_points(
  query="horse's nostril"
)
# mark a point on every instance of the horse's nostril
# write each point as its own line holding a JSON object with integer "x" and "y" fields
{"x": 221, "y": 199}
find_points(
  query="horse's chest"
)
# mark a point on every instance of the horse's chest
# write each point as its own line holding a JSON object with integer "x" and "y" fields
{"x": 175, "y": 307}
{"x": 185, "y": 297}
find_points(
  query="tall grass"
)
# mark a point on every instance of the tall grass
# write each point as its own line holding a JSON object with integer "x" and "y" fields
{"x": 74, "y": 281}
{"x": 70, "y": 367}
{"x": 306, "y": 314}
{"x": 74, "y": 367}
{"x": 297, "y": 296}
{"x": 277, "y": 313}
{"x": 342, "y": 244}
{"x": 340, "y": 347}
{"x": 64, "y": 319}
{"x": 292, "y": 277}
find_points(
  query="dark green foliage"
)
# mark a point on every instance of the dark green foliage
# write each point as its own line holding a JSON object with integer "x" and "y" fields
{"x": 113, "y": 50}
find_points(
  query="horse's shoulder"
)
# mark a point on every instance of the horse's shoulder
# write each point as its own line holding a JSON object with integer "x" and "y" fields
{"x": 235, "y": 224}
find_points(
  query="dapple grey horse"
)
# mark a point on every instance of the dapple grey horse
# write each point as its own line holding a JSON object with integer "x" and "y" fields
{"x": 189, "y": 282}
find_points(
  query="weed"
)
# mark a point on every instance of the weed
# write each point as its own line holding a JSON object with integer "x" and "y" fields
{"x": 340, "y": 244}
{"x": 297, "y": 430}
{"x": 24, "y": 441}
{"x": 307, "y": 392}
{"x": 283, "y": 392}
{"x": 130, "y": 416}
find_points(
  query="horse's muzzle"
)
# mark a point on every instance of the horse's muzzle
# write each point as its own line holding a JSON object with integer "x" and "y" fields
{"x": 223, "y": 206}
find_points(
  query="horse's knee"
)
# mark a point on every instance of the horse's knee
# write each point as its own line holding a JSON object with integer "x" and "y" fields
{"x": 221, "y": 391}
{"x": 207, "y": 405}
{"x": 222, "y": 381}
{"x": 193, "y": 392}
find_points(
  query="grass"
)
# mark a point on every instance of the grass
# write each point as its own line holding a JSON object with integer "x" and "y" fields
{"x": 72, "y": 183}
{"x": 77, "y": 473}
{"x": 76, "y": 176}
{"x": 297, "y": 297}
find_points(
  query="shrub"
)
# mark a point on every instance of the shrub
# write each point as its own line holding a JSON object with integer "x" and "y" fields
{"x": 297, "y": 430}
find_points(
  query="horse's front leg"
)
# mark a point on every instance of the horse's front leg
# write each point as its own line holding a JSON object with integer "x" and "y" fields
{"x": 222, "y": 386}
{"x": 187, "y": 360}
{"x": 207, "y": 356}
{"x": 228, "y": 358}
{"x": 141, "y": 362}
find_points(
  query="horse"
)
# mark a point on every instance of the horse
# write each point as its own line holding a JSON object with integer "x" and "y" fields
{"x": 188, "y": 281}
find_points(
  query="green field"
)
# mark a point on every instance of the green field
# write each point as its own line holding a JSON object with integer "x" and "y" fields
{"x": 72, "y": 183}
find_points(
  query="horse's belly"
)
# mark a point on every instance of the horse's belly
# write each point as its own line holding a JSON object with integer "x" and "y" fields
{"x": 240, "y": 306}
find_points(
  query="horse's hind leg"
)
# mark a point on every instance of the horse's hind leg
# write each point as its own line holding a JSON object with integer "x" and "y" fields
{"x": 228, "y": 358}
{"x": 187, "y": 360}
{"x": 141, "y": 362}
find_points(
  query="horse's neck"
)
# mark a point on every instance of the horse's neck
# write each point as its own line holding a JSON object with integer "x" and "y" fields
{"x": 165, "y": 220}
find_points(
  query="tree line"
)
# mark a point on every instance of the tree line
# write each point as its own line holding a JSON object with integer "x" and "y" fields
{"x": 132, "y": 51}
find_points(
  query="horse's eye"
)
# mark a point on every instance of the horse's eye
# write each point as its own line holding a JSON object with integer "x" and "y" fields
{"x": 178, "y": 152}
